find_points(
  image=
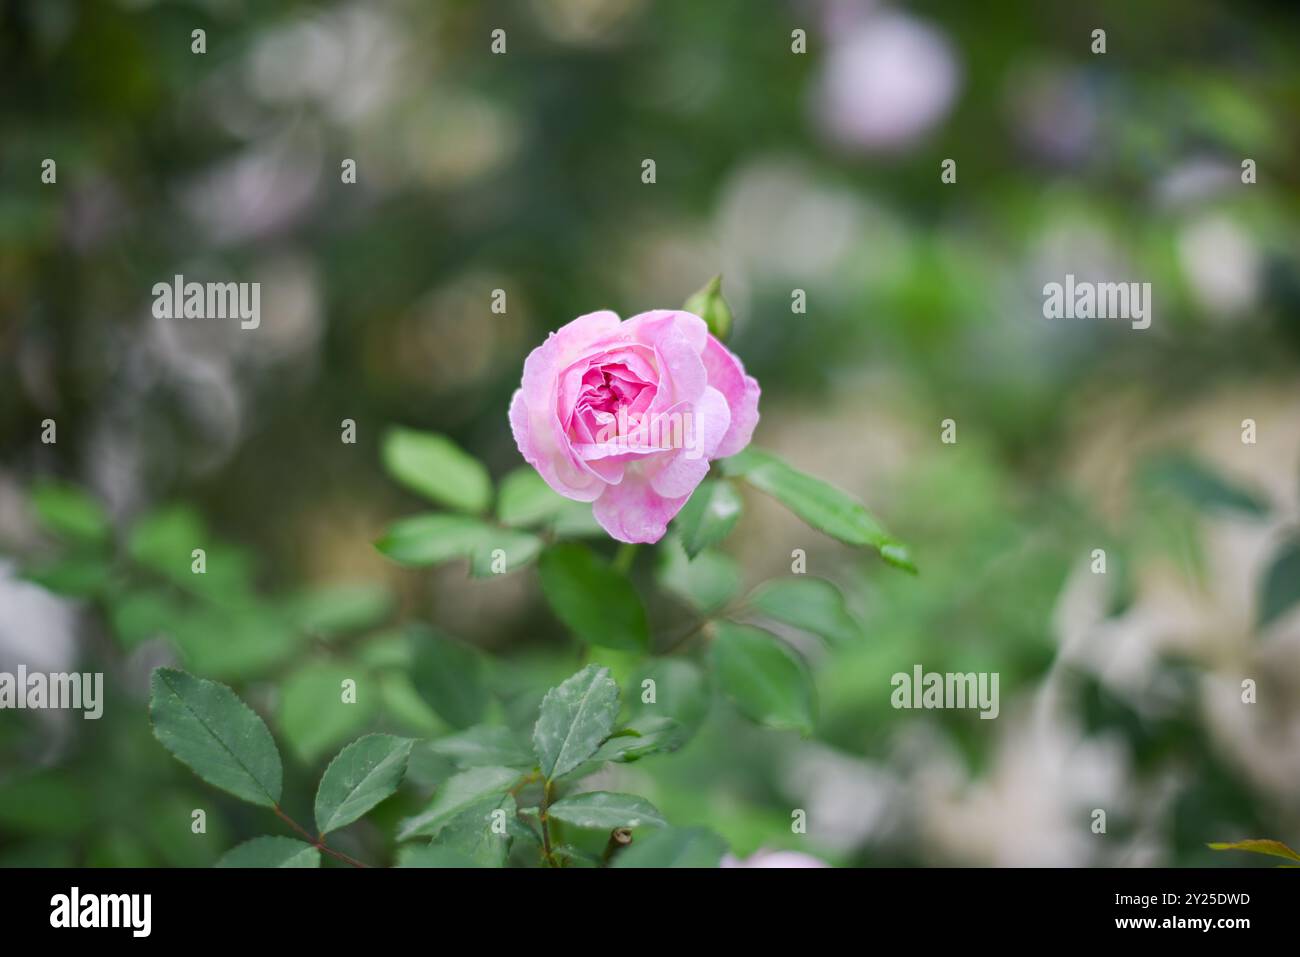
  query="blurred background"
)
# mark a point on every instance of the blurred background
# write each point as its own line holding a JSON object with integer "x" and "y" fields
{"x": 782, "y": 171}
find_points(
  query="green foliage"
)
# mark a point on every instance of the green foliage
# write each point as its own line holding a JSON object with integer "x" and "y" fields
{"x": 576, "y": 716}
{"x": 68, "y": 511}
{"x": 594, "y": 600}
{"x": 364, "y": 773}
{"x": 606, "y": 810}
{"x": 709, "y": 516}
{"x": 822, "y": 506}
{"x": 768, "y": 682}
{"x": 449, "y": 677}
{"x": 434, "y": 466}
{"x": 1267, "y": 847}
{"x": 675, "y": 847}
{"x": 271, "y": 852}
{"x": 221, "y": 739}
{"x": 460, "y": 792}
{"x": 811, "y": 604}
{"x": 1281, "y": 587}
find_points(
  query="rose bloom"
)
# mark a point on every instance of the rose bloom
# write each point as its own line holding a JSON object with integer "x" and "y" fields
{"x": 627, "y": 415}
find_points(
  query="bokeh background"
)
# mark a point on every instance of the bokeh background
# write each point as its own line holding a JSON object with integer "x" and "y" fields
{"x": 817, "y": 172}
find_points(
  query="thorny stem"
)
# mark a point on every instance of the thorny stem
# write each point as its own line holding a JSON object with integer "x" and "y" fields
{"x": 317, "y": 842}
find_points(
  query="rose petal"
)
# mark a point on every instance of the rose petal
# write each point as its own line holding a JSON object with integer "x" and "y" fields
{"x": 634, "y": 512}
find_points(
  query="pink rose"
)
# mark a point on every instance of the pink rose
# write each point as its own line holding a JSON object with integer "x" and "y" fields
{"x": 627, "y": 415}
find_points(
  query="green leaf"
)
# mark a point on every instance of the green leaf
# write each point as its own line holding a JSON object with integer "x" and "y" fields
{"x": 449, "y": 676}
{"x": 606, "y": 810}
{"x": 501, "y": 551}
{"x": 597, "y": 603}
{"x": 575, "y": 717}
{"x": 313, "y": 715}
{"x": 364, "y": 773}
{"x": 332, "y": 610}
{"x": 681, "y": 692}
{"x": 77, "y": 576}
{"x": 163, "y": 540}
{"x": 69, "y": 512}
{"x": 526, "y": 500}
{"x": 821, "y": 505}
{"x": 431, "y": 538}
{"x": 233, "y": 642}
{"x": 471, "y": 833}
{"x": 810, "y": 604}
{"x": 767, "y": 681}
{"x": 706, "y": 584}
{"x": 221, "y": 739}
{"x": 709, "y": 516}
{"x": 434, "y": 466}
{"x": 674, "y": 847}
{"x": 483, "y": 746}
{"x": 140, "y": 615}
{"x": 455, "y": 795}
{"x": 435, "y": 537}
{"x": 1271, "y": 848}
{"x": 1199, "y": 485}
{"x": 271, "y": 852}
{"x": 648, "y": 734}
{"x": 709, "y": 305}
{"x": 431, "y": 855}
{"x": 1281, "y": 587}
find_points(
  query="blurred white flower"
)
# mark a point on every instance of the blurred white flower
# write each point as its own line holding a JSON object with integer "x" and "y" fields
{"x": 763, "y": 858}
{"x": 885, "y": 83}
{"x": 1221, "y": 264}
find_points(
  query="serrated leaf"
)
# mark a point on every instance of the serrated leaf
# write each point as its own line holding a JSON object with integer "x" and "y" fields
{"x": 364, "y": 773}
{"x": 606, "y": 810}
{"x": 434, "y": 466}
{"x": 1259, "y": 846}
{"x": 767, "y": 681}
{"x": 69, "y": 512}
{"x": 674, "y": 847}
{"x": 209, "y": 729}
{"x": 473, "y": 834}
{"x": 1281, "y": 588}
{"x": 454, "y": 795}
{"x": 810, "y": 604}
{"x": 484, "y": 746}
{"x": 596, "y": 602}
{"x": 575, "y": 717}
{"x": 430, "y": 855}
{"x": 449, "y": 676}
{"x": 314, "y": 718}
{"x": 271, "y": 852}
{"x": 818, "y": 503}
{"x": 708, "y": 517}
